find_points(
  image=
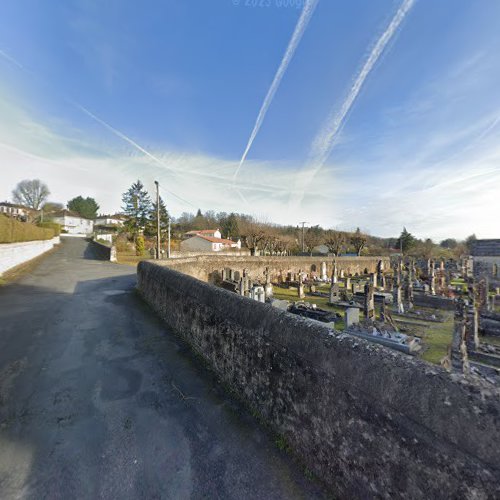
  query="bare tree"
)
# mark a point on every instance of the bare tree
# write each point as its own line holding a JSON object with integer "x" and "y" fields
{"x": 252, "y": 233}
{"x": 358, "y": 241}
{"x": 335, "y": 241}
{"x": 312, "y": 238}
{"x": 31, "y": 193}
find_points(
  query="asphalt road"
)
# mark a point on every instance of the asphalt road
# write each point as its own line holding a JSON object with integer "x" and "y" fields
{"x": 99, "y": 400}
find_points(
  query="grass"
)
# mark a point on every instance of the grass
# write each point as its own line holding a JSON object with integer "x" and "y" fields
{"x": 130, "y": 258}
{"x": 436, "y": 337}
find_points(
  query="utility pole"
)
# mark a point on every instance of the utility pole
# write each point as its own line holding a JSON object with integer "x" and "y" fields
{"x": 303, "y": 224}
{"x": 168, "y": 248}
{"x": 158, "y": 240}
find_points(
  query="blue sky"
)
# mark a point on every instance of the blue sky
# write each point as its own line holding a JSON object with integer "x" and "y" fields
{"x": 94, "y": 95}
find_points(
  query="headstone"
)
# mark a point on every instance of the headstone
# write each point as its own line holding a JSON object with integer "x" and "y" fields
{"x": 324, "y": 275}
{"x": 347, "y": 283}
{"x": 373, "y": 279}
{"x": 342, "y": 273}
{"x": 459, "y": 355}
{"x": 334, "y": 273}
{"x": 369, "y": 303}
{"x": 312, "y": 288}
{"x": 334, "y": 293}
{"x": 397, "y": 299}
{"x": 351, "y": 316}
{"x": 236, "y": 276}
{"x": 258, "y": 293}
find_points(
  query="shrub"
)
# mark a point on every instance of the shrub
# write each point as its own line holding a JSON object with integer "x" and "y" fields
{"x": 13, "y": 231}
{"x": 51, "y": 225}
{"x": 139, "y": 246}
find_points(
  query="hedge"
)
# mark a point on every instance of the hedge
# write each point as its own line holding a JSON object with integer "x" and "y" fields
{"x": 51, "y": 225}
{"x": 13, "y": 231}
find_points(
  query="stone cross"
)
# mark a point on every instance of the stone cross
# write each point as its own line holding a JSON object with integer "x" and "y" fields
{"x": 397, "y": 300}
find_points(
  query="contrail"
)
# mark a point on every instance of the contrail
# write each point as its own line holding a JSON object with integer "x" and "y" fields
{"x": 11, "y": 59}
{"x": 324, "y": 142}
{"x": 132, "y": 143}
{"x": 302, "y": 23}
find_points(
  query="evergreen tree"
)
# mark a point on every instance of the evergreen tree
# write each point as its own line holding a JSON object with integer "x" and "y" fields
{"x": 137, "y": 206}
{"x": 230, "y": 226}
{"x": 406, "y": 241}
{"x": 164, "y": 218}
{"x": 86, "y": 207}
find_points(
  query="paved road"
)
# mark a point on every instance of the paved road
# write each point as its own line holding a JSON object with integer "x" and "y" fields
{"x": 99, "y": 400}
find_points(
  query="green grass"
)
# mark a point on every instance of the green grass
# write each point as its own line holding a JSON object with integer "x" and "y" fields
{"x": 322, "y": 302}
{"x": 490, "y": 340}
{"x": 436, "y": 337}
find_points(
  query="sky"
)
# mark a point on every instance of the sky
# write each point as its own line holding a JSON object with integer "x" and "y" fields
{"x": 358, "y": 113}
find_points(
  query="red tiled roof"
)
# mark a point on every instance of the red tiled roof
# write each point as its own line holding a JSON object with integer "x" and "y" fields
{"x": 216, "y": 240}
{"x": 203, "y": 231}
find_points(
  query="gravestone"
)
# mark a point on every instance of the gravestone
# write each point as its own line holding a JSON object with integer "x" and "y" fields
{"x": 369, "y": 303}
{"x": 351, "y": 316}
{"x": 236, "y": 276}
{"x": 397, "y": 299}
{"x": 347, "y": 283}
{"x": 334, "y": 293}
{"x": 258, "y": 293}
{"x": 334, "y": 273}
{"x": 324, "y": 275}
{"x": 373, "y": 279}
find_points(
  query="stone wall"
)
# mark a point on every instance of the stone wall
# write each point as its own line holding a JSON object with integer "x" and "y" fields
{"x": 369, "y": 421}
{"x": 14, "y": 254}
{"x": 487, "y": 267}
{"x": 105, "y": 252}
{"x": 208, "y": 268}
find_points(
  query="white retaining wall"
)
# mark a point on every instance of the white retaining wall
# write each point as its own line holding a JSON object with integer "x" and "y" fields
{"x": 13, "y": 254}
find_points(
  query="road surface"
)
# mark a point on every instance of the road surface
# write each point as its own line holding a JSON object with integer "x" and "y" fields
{"x": 99, "y": 400}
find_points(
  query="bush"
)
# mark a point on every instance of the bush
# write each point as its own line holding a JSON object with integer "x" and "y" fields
{"x": 13, "y": 231}
{"x": 51, "y": 225}
{"x": 139, "y": 246}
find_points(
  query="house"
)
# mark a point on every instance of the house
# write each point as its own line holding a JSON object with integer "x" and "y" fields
{"x": 213, "y": 233}
{"x": 17, "y": 211}
{"x": 110, "y": 220}
{"x": 73, "y": 223}
{"x": 207, "y": 241}
{"x": 486, "y": 260}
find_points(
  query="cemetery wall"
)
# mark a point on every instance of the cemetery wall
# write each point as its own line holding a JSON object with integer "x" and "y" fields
{"x": 369, "y": 421}
{"x": 14, "y": 254}
{"x": 209, "y": 268}
{"x": 487, "y": 267}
